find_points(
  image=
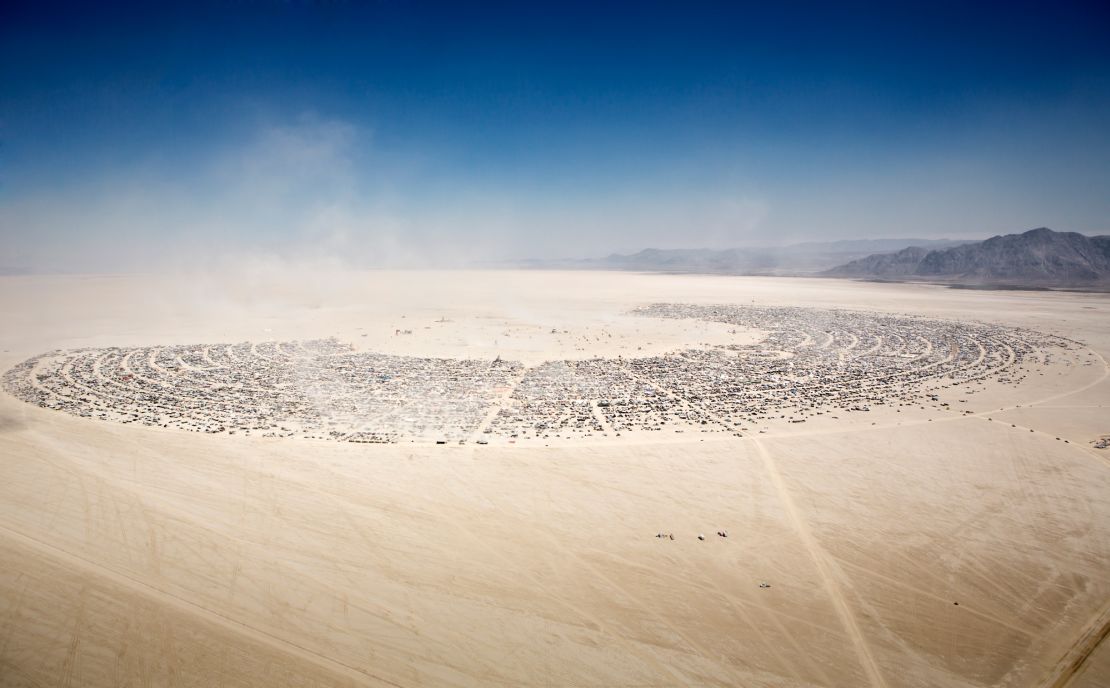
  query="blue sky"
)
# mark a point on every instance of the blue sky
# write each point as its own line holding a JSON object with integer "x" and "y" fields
{"x": 401, "y": 132}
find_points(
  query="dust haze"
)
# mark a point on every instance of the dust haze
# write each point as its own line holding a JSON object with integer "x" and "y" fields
{"x": 421, "y": 345}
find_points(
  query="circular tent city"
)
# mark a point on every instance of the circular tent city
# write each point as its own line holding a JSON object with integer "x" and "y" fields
{"x": 809, "y": 363}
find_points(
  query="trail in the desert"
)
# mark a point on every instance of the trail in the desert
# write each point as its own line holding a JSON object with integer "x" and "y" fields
{"x": 937, "y": 549}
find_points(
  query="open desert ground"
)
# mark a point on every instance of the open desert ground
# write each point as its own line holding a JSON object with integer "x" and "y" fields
{"x": 961, "y": 541}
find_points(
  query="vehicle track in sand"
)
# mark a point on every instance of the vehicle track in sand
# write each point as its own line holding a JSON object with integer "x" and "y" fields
{"x": 1071, "y": 664}
{"x": 825, "y": 568}
{"x": 193, "y": 609}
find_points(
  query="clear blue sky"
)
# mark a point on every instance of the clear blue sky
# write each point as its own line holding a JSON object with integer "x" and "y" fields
{"x": 399, "y": 129}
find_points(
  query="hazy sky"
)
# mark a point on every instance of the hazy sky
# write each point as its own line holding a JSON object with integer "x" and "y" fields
{"x": 402, "y": 131}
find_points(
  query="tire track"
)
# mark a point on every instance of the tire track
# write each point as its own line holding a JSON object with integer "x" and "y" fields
{"x": 193, "y": 609}
{"x": 1071, "y": 663}
{"x": 826, "y": 570}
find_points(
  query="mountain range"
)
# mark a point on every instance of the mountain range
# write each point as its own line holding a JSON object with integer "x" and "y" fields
{"x": 1038, "y": 258}
{"x": 807, "y": 258}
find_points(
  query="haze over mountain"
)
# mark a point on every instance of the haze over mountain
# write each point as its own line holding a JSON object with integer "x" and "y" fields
{"x": 1038, "y": 257}
{"x": 794, "y": 259}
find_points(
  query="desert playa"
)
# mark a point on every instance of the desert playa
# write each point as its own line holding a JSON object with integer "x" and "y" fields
{"x": 544, "y": 478}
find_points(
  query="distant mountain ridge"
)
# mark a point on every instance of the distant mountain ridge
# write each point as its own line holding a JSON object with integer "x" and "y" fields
{"x": 803, "y": 258}
{"x": 1038, "y": 257}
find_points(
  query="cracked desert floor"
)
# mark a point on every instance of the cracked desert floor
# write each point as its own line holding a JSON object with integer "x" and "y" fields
{"x": 965, "y": 544}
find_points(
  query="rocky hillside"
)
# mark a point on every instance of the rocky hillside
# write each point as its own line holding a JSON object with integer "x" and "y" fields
{"x": 1039, "y": 257}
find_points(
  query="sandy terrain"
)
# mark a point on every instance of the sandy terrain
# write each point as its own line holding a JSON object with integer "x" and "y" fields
{"x": 910, "y": 547}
